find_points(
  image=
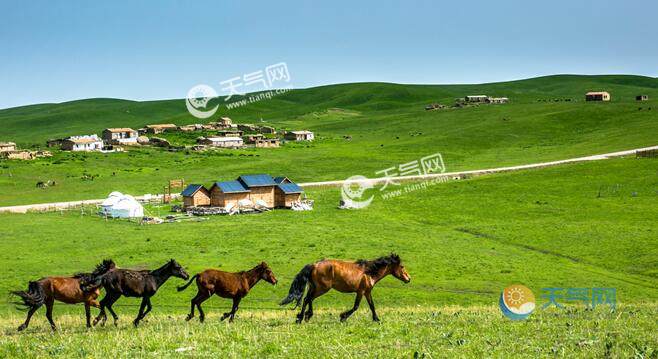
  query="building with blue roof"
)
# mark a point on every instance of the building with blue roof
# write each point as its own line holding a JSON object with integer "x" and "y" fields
{"x": 223, "y": 194}
{"x": 286, "y": 193}
{"x": 195, "y": 195}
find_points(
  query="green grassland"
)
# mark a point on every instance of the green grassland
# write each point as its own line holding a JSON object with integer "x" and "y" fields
{"x": 579, "y": 225}
{"x": 387, "y": 124}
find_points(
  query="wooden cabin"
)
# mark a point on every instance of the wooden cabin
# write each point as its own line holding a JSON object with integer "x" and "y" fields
{"x": 247, "y": 127}
{"x": 195, "y": 195}
{"x": 230, "y": 133}
{"x": 261, "y": 187}
{"x": 285, "y": 193}
{"x": 597, "y": 96}
{"x": 223, "y": 194}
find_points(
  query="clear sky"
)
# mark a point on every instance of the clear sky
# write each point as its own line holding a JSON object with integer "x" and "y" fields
{"x": 54, "y": 51}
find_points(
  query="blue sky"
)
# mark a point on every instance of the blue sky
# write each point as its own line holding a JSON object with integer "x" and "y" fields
{"x": 54, "y": 51}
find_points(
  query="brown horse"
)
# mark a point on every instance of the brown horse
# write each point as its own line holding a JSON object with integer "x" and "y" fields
{"x": 348, "y": 277}
{"x": 226, "y": 285}
{"x": 80, "y": 288}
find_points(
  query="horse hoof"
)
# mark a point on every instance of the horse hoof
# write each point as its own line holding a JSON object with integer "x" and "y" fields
{"x": 376, "y": 320}
{"x": 22, "y": 327}
{"x": 188, "y": 318}
{"x": 298, "y": 321}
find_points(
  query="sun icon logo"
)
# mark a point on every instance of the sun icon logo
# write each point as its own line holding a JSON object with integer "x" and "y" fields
{"x": 517, "y": 302}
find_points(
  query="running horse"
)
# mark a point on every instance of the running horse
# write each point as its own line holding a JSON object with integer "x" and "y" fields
{"x": 135, "y": 283}
{"x": 348, "y": 277}
{"x": 226, "y": 285}
{"x": 80, "y": 288}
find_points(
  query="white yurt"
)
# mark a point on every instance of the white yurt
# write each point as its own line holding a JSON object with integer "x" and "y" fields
{"x": 119, "y": 205}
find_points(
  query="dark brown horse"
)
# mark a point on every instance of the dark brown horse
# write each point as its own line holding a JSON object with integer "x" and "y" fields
{"x": 134, "y": 283}
{"x": 226, "y": 285}
{"x": 80, "y": 288}
{"x": 348, "y": 277}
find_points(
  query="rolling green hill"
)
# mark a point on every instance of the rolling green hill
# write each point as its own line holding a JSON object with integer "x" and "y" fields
{"x": 386, "y": 123}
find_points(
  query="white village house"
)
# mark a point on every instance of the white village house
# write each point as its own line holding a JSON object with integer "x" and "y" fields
{"x": 82, "y": 143}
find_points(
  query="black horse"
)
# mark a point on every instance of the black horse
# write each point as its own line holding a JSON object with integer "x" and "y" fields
{"x": 133, "y": 283}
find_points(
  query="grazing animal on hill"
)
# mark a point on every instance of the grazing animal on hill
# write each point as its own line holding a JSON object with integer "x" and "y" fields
{"x": 135, "y": 283}
{"x": 226, "y": 285}
{"x": 80, "y": 288}
{"x": 348, "y": 277}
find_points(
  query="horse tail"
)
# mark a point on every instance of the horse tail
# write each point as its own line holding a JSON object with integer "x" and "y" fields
{"x": 298, "y": 286}
{"x": 91, "y": 281}
{"x": 33, "y": 297}
{"x": 183, "y": 287}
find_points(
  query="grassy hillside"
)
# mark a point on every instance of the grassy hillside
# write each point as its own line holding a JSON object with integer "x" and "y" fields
{"x": 36, "y": 123}
{"x": 387, "y": 124}
{"x": 581, "y": 225}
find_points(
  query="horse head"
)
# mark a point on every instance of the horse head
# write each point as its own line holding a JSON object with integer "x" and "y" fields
{"x": 398, "y": 270}
{"x": 177, "y": 270}
{"x": 266, "y": 273}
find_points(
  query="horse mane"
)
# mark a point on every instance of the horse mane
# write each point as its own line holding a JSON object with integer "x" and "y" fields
{"x": 372, "y": 267}
{"x": 90, "y": 279}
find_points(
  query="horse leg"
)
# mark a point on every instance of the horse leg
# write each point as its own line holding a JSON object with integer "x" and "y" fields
{"x": 372, "y": 306}
{"x": 110, "y": 302}
{"x": 27, "y": 320}
{"x": 300, "y": 316}
{"x": 148, "y": 308}
{"x": 49, "y": 312}
{"x": 102, "y": 305}
{"x": 314, "y": 293}
{"x": 357, "y": 301}
{"x": 236, "y": 303}
{"x": 88, "y": 314}
{"x": 141, "y": 311}
{"x": 195, "y": 302}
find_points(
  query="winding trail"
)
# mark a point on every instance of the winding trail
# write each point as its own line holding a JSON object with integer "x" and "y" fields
{"x": 373, "y": 181}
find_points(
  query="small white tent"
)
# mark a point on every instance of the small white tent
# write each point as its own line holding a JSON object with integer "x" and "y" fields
{"x": 118, "y": 205}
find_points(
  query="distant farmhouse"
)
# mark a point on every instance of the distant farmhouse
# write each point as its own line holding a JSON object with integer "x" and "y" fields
{"x": 299, "y": 136}
{"x": 247, "y": 127}
{"x": 224, "y": 142}
{"x": 230, "y": 133}
{"x": 486, "y": 99}
{"x": 120, "y": 136}
{"x": 160, "y": 128}
{"x": 267, "y": 142}
{"x": 597, "y": 96}
{"x": 477, "y": 98}
{"x": 7, "y": 146}
{"x": 82, "y": 143}
{"x": 267, "y": 129}
{"x": 642, "y": 98}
